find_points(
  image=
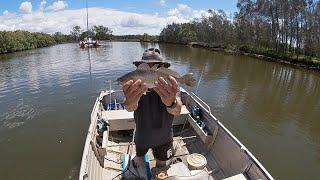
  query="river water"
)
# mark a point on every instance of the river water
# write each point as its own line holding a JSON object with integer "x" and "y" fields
{"x": 47, "y": 94}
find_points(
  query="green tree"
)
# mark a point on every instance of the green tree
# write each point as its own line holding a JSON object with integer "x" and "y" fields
{"x": 145, "y": 38}
{"x": 75, "y": 33}
{"x": 59, "y": 37}
{"x": 101, "y": 32}
{"x": 153, "y": 39}
{"x": 86, "y": 34}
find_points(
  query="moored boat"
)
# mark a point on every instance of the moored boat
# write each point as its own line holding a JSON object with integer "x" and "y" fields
{"x": 203, "y": 148}
{"x": 88, "y": 42}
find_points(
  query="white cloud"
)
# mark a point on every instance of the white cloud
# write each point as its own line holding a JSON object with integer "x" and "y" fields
{"x": 26, "y": 7}
{"x": 184, "y": 7}
{"x": 120, "y": 22}
{"x": 43, "y": 2}
{"x": 175, "y": 19}
{"x": 174, "y": 12}
{"x": 41, "y": 6}
{"x": 182, "y": 10}
{"x": 183, "y": 13}
{"x": 199, "y": 13}
{"x": 162, "y": 2}
{"x": 57, "y": 5}
{"x": 5, "y": 13}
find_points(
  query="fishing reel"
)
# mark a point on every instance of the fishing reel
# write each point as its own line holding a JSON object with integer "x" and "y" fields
{"x": 101, "y": 126}
{"x": 196, "y": 114}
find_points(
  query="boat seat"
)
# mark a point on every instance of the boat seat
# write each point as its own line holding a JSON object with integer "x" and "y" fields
{"x": 123, "y": 120}
{"x": 119, "y": 119}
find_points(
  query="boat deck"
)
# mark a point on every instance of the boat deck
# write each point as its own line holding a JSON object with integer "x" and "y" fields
{"x": 184, "y": 143}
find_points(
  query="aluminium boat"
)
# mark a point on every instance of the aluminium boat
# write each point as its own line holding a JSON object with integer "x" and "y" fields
{"x": 203, "y": 148}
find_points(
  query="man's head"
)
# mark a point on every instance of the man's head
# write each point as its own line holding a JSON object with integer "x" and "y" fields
{"x": 152, "y": 56}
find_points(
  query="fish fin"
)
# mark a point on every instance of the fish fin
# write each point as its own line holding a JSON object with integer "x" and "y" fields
{"x": 143, "y": 67}
{"x": 169, "y": 72}
{"x": 188, "y": 80}
{"x": 155, "y": 66}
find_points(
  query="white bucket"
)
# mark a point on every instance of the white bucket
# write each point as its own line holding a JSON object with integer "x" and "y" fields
{"x": 196, "y": 161}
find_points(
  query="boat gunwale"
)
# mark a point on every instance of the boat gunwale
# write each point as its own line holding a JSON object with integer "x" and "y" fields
{"x": 234, "y": 138}
{"x": 86, "y": 149}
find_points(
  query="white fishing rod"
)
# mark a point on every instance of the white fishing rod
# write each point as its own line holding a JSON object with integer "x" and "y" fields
{"x": 110, "y": 95}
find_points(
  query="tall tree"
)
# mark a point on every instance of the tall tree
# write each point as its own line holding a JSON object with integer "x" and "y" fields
{"x": 101, "y": 32}
{"x": 75, "y": 33}
{"x": 277, "y": 28}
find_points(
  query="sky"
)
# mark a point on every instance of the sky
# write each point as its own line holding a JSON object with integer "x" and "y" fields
{"x": 122, "y": 16}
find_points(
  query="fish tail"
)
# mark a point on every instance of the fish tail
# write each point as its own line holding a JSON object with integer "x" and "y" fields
{"x": 188, "y": 79}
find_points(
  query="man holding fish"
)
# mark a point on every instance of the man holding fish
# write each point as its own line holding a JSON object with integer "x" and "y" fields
{"x": 151, "y": 92}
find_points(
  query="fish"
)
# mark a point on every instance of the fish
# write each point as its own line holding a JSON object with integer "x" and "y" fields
{"x": 149, "y": 75}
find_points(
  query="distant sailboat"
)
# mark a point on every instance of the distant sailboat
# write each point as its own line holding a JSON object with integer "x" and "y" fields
{"x": 88, "y": 41}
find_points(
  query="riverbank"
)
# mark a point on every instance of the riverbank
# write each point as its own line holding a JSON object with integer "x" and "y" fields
{"x": 17, "y": 46}
{"x": 269, "y": 55}
{"x": 19, "y": 40}
{"x": 124, "y": 40}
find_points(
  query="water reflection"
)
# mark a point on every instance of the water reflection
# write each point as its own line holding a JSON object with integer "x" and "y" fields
{"x": 89, "y": 59}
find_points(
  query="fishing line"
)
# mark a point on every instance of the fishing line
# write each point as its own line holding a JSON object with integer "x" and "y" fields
{"x": 175, "y": 148}
{"x": 129, "y": 152}
{"x": 199, "y": 80}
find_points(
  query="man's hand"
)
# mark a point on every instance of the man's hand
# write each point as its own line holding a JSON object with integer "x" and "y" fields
{"x": 167, "y": 92}
{"x": 132, "y": 92}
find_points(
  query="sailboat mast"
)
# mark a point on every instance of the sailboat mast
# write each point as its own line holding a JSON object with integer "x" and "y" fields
{"x": 87, "y": 20}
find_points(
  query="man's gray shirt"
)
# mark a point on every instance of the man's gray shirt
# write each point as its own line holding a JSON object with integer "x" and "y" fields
{"x": 153, "y": 122}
